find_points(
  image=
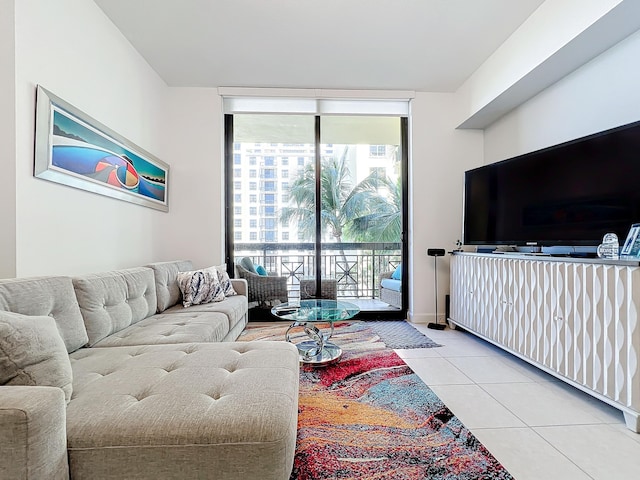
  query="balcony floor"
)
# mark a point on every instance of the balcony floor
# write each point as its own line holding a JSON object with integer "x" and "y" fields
{"x": 370, "y": 304}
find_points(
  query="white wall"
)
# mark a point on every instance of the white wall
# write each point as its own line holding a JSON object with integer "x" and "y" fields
{"x": 559, "y": 37}
{"x": 194, "y": 228}
{"x": 73, "y": 50}
{"x": 8, "y": 145}
{"x": 439, "y": 156}
{"x": 602, "y": 94}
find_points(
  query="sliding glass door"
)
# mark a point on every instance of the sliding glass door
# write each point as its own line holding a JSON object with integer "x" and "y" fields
{"x": 321, "y": 201}
{"x": 361, "y": 191}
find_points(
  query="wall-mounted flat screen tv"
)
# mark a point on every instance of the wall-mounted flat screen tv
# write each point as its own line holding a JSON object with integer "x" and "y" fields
{"x": 566, "y": 195}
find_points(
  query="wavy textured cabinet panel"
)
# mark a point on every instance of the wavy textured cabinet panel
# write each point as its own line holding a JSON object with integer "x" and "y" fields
{"x": 577, "y": 320}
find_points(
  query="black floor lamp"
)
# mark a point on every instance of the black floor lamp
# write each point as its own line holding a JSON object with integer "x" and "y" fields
{"x": 435, "y": 253}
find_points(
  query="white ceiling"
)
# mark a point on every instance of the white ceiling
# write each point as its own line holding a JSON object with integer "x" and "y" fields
{"x": 421, "y": 45}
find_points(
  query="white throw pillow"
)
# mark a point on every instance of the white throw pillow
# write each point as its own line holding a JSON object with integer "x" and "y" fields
{"x": 200, "y": 286}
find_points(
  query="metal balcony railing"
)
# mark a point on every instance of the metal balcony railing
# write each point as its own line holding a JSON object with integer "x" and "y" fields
{"x": 355, "y": 266}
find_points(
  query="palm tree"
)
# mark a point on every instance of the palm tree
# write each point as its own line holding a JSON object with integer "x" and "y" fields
{"x": 368, "y": 212}
{"x": 336, "y": 208}
{"x": 383, "y": 220}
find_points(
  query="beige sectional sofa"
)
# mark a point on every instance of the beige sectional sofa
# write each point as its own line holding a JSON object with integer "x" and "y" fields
{"x": 151, "y": 389}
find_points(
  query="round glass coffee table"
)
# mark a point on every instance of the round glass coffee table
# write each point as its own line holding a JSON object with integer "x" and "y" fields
{"x": 318, "y": 350}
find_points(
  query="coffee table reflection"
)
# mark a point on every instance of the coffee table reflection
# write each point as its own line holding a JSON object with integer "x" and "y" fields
{"x": 306, "y": 314}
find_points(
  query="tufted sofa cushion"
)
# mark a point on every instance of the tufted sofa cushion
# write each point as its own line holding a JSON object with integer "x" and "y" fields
{"x": 167, "y": 289}
{"x": 174, "y": 328}
{"x": 234, "y": 307}
{"x": 391, "y": 284}
{"x": 184, "y": 411}
{"x": 46, "y": 296}
{"x": 111, "y": 301}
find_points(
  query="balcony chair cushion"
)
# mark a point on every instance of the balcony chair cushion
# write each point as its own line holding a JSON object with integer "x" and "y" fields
{"x": 200, "y": 286}
{"x": 397, "y": 273}
{"x": 32, "y": 353}
{"x": 260, "y": 270}
{"x": 391, "y": 284}
{"x": 225, "y": 281}
{"x": 248, "y": 265}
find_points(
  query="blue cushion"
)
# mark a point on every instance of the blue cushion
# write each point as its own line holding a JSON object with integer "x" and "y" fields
{"x": 247, "y": 264}
{"x": 261, "y": 271}
{"x": 397, "y": 273}
{"x": 391, "y": 284}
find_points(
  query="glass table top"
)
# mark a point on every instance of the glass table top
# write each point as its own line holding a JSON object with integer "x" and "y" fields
{"x": 320, "y": 310}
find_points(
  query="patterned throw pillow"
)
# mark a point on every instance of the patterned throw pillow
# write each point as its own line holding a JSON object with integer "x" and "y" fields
{"x": 225, "y": 281}
{"x": 200, "y": 286}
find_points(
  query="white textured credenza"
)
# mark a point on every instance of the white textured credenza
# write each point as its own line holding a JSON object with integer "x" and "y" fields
{"x": 576, "y": 319}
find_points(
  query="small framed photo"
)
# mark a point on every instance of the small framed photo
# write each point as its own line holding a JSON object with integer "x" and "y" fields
{"x": 631, "y": 247}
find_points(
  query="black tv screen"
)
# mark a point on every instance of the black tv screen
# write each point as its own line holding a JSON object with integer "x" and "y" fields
{"x": 566, "y": 195}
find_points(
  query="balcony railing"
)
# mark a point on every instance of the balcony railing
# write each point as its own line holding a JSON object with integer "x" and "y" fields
{"x": 355, "y": 266}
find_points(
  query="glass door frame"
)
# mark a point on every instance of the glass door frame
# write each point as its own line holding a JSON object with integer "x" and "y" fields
{"x": 229, "y": 242}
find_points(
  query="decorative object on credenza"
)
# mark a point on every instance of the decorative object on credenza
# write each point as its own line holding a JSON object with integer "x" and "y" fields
{"x": 609, "y": 248}
{"x": 631, "y": 247}
{"x": 76, "y": 150}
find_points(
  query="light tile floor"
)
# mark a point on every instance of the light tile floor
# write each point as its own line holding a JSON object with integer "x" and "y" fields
{"x": 538, "y": 427}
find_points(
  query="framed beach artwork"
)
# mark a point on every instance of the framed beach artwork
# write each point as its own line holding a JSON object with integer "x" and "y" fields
{"x": 76, "y": 150}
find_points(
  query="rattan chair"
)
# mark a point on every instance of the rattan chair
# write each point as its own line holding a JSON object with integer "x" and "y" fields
{"x": 387, "y": 295}
{"x": 267, "y": 291}
{"x": 328, "y": 288}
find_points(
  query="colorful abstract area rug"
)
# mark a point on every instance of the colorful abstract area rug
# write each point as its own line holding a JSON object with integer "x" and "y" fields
{"x": 369, "y": 416}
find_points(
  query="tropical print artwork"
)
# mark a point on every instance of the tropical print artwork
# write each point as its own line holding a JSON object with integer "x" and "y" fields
{"x": 79, "y": 149}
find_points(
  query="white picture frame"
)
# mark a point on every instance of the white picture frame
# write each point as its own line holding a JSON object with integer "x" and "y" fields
{"x": 631, "y": 247}
{"x": 76, "y": 150}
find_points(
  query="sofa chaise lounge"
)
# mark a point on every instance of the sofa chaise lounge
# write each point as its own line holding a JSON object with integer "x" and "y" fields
{"x": 143, "y": 388}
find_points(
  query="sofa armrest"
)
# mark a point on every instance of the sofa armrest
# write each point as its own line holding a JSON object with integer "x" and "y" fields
{"x": 239, "y": 285}
{"x": 33, "y": 433}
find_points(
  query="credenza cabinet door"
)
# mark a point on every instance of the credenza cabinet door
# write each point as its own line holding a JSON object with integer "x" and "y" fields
{"x": 466, "y": 290}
